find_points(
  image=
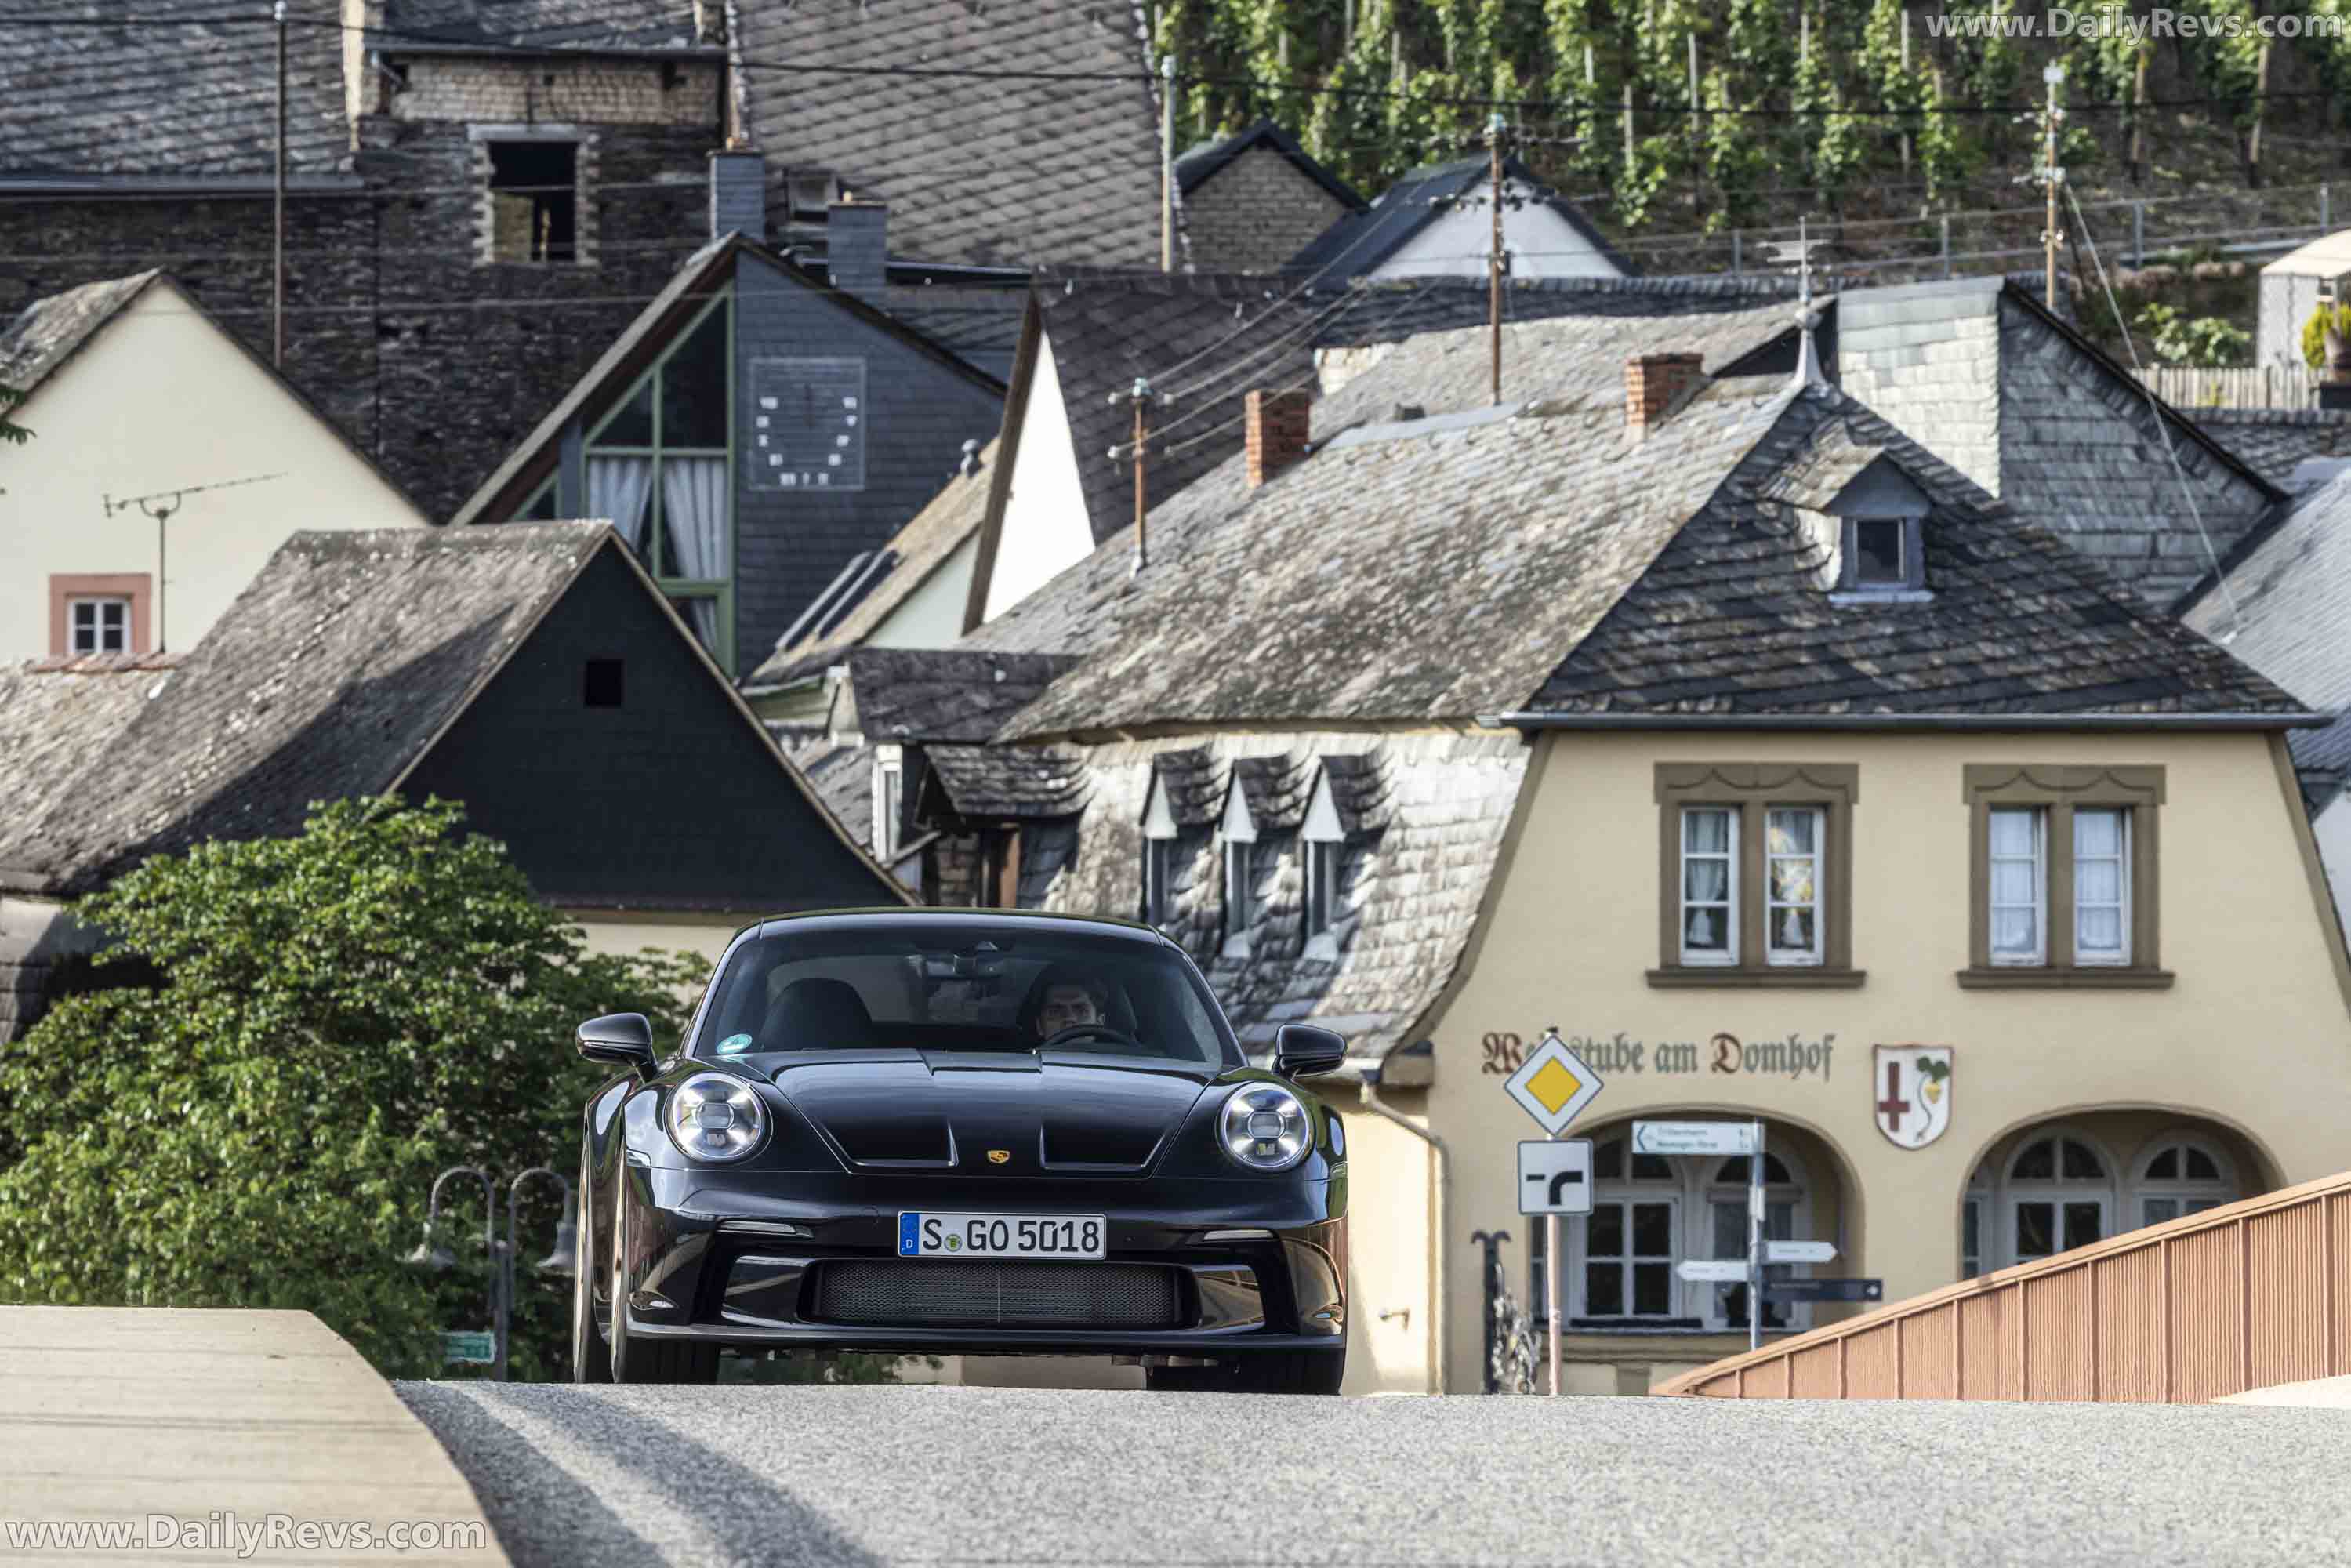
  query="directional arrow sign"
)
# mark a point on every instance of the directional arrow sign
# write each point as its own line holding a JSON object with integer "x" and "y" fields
{"x": 1788, "y": 1291}
{"x": 1713, "y": 1271}
{"x": 1693, "y": 1137}
{"x": 1555, "y": 1176}
{"x": 1800, "y": 1251}
{"x": 1555, "y": 1085}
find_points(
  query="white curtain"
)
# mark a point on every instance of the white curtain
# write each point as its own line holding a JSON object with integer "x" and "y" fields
{"x": 618, "y": 488}
{"x": 694, "y": 506}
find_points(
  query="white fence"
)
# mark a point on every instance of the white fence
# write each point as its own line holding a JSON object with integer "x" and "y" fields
{"x": 2241, "y": 386}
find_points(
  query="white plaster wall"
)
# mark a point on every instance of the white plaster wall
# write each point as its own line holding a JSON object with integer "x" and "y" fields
{"x": 2332, "y": 828}
{"x": 1541, "y": 244}
{"x": 931, "y": 616}
{"x": 158, "y": 399}
{"x": 1045, "y": 530}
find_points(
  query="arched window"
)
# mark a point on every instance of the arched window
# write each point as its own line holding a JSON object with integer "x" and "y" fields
{"x": 1975, "y": 1219}
{"x": 2059, "y": 1196}
{"x": 2182, "y": 1176}
{"x": 1650, "y": 1212}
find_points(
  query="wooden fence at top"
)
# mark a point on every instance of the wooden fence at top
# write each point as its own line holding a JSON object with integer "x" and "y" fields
{"x": 2239, "y": 386}
{"x": 2255, "y": 1293}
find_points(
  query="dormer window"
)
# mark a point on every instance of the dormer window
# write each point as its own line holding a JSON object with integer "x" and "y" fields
{"x": 1238, "y": 832}
{"x": 1322, "y": 841}
{"x": 1880, "y": 553}
{"x": 1158, "y": 856}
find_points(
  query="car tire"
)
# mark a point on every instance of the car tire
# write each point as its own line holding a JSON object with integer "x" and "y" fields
{"x": 591, "y": 1358}
{"x": 632, "y": 1360}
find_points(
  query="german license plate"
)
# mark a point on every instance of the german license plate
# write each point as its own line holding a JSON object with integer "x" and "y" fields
{"x": 924, "y": 1234}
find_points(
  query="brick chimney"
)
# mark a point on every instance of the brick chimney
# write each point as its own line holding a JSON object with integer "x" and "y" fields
{"x": 1280, "y": 425}
{"x": 857, "y": 247}
{"x": 1652, "y": 383}
{"x": 738, "y": 193}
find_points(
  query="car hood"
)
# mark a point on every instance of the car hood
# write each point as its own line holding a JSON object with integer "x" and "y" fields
{"x": 988, "y": 1114}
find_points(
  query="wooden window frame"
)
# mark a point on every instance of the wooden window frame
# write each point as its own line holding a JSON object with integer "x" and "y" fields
{"x": 1752, "y": 789}
{"x": 2056, "y": 790}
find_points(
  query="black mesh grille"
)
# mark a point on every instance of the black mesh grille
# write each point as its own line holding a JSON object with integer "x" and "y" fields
{"x": 999, "y": 1295}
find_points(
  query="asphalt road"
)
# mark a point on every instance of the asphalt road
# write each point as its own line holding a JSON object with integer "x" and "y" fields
{"x": 576, "y": 1477}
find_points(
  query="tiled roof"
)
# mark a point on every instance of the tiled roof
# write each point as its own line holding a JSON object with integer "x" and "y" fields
{"x": 1359, "y": 243}
{"x": 841, "y": 776}
{"x": 326, "y": 678}
{"x": 1212, "y": 338}
{"x": 1274, "y": 788}
{"x": 169, "y": 88}
{"x": 2276, "y": 441}
{"x": 944, "y": 693}
{"x": 916, "y": 550}
{"x": 60, "y": 720}
{"x": 976, "y": 169}
{"x": 1194, "y": 780}
{"x": 536, "y": 24}
{"x": 1200, "y": 164}
{"x": 1445, "y": 568}
{"x": 1020, "y": 781}
{"x": 45, "y": 333}
{"x": 2287, "y": 612}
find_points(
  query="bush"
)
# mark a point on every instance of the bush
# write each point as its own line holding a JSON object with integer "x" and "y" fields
{"x": 2313, "y": 332}
{"x": 339, "y": 1017}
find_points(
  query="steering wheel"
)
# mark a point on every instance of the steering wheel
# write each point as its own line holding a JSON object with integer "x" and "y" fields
{"x": 1085, "y": 1030}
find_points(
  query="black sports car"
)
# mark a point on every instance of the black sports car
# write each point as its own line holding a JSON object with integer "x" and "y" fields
{"x": 962, "y": 1131}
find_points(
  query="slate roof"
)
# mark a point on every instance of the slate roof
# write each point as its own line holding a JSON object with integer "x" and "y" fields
{"x": 997, "y": 781}
{"x": 328, "y": 675}
{"x": 841, "y": 776}
{"x": 535, "y": 25}
{"x": 1202, "y": 163}
{"x": 1274, "y": 788}
{"x": 2290, "y": 616}
{"x": 45, "y": 333}
{"x": 1231, "y": 334}
{"x": 915, "y": 552}
{"x": 2276, "y": 441}
{"x": 1359, "y": 243}
{"x": 944, "y": 693}
{"x": 1538, "y": 558}
{"x": 60, "y": 719}
{"x": 167, "y": 88}
{"x": 999, "y": 170}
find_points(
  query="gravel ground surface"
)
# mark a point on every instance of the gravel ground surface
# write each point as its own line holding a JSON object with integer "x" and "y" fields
{"x": 580, "y": 1478}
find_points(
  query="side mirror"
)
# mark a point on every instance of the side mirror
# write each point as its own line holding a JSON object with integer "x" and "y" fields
{"x": 1303, "y": 1051}
{"x": 625, "y": 1039}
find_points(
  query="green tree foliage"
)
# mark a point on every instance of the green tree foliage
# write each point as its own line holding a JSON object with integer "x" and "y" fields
{"x": 2313, "y": 332}
{"x": 2179, "y": 339}
{"x": 331, "y": 1020}
{"x": 15, "y": 435}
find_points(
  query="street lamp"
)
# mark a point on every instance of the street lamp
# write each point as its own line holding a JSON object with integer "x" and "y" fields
{"x": 432, "y": 1254}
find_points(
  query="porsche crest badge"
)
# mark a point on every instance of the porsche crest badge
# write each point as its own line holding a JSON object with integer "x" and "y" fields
{"x": 999, "y": 1156}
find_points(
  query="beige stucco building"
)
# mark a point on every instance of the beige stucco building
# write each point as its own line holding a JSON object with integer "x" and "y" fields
{"x": 142, "y": 405}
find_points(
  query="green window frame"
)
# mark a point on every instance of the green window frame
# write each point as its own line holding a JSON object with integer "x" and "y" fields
{"x": 655, "y": 550}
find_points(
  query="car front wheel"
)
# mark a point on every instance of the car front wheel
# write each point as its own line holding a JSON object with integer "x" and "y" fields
{"x": 633, "y": 1359}
{"x": 591, "y": 1359}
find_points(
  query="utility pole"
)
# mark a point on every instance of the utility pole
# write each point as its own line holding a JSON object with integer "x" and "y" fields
{"x": 1166, "y": 161}
{"x": 277, "y": 287}
{"x": 1494, "y": 262}
{"x": 1139, "y": 396}
{"x": 2054, "y": 77}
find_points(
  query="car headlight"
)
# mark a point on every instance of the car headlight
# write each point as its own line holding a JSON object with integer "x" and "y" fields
{"x": 1264, "y": 1128}
{"x": 715, "y": 1117}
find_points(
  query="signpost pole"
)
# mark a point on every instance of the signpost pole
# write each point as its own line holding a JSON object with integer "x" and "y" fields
{"x": 1755, "y": 1242}
{"x": 1550, "y": 1288}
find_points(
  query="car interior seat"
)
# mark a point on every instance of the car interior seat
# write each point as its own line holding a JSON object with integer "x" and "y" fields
{"x": 816, "y": 1014}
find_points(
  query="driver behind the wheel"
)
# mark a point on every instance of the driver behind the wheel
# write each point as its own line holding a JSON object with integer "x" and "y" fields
{"x": 1071, "y": 1001}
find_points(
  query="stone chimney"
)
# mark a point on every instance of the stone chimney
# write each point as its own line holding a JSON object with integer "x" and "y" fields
{"x": 738, "y": 193}
{"x": 1280, "y": 425}
{"x": 1652, "y": 383}
{"x": 857, "y": 247}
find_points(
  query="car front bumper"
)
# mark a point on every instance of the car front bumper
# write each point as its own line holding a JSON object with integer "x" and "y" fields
{"x": 1245, "y": 1266}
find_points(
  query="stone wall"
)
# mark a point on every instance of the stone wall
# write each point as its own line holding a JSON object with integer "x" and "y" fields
{"x": 1255, "y": 214}
{"x": 603, "y": 91}
{"x": 434, "y": 364}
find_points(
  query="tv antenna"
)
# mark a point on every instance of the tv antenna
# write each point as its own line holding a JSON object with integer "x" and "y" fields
{"x": 162, "y": 505}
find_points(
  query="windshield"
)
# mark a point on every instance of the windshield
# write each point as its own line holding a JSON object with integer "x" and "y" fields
{"x": 979, "y": 986}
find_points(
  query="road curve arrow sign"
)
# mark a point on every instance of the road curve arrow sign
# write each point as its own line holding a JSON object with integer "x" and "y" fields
{"x": 1553, "y": 1084}
{"x": 1555, "y": 1176}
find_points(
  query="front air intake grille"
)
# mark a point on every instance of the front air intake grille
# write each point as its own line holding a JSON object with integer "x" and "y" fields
{"x": 999, "y": 1295}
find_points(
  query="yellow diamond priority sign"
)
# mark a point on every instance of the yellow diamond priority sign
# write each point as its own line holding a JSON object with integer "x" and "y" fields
{"x": 1553, "y": 1084}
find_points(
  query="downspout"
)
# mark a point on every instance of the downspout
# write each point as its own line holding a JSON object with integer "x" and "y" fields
{"x": 1442, "y": 1225}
